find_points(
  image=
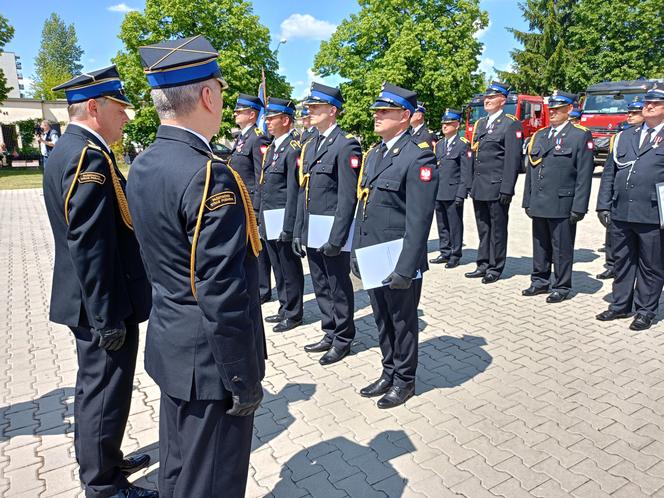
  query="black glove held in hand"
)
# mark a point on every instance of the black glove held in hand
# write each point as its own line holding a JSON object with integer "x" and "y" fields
{"x": 575, "y": 217}
{"x": 111, "y": 339}
{"x": 285, "y": 237}
{"x": 296, "y": 245}
{"x": 329, "y": 250}
{"x": 458, "y": 202}
{"x": 505, "y": 199}
{"x": 246, "y": 402}
{"x": 604, "y": 218}
{"x": 396, "y": 281}
{"x": 354, "y": 269}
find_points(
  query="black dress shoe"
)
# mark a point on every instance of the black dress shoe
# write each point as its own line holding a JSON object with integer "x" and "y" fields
{"x": 274, "y": 318}
{"x": 608, "y": 315}
{"x": 475, "y": 273}
{"x": 318, "y": 347}
{"x": 136, "y": 492}
{"x": 286, "y": 324}
{"x": 490, "y": 278}
{"x": 556, "y": 297}
{"x": 134, "y": 463}
{"x": 396, "y": 396}
{"x": 606, "y": 274}
{"x": 453, "y": 263}
{"x": 533, "y": 291}
{"x": 266, "y": 299}
{"x": 640, "y": 322}
{"x": 438, "y": 260}
{"x": 334, "y": 355}
{"x": 378, "y": 388}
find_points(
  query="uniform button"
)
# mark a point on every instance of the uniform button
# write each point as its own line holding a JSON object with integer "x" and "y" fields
{"x": 387, "y": 185}
{"x": 98, "y": 318}
{"x": 236, "y": 379}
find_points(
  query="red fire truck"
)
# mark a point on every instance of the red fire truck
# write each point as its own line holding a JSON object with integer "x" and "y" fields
{"x": 605, "y": 108}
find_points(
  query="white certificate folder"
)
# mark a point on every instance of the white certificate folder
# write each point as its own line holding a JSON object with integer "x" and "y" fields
{"x": 659, "y": 187}
{"x": 377, "y": 262}
{"x": 274, "y": 223}
{"x": 318, "y": 231}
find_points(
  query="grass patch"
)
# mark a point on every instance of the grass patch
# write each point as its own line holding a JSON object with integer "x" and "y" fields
{"x": 21, "y": 178}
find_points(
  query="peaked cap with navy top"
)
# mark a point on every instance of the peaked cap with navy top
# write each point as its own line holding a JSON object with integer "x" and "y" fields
{"x": 180, "y": 62}
{"x": 421, "y": 108}
{"x": 635, "y": 106}
{"x": 451, "y": 115}
{"x": 245, "y": 101}
{"x": 323, "y": 94}
{"x": 575, "y": 113}
{"x": 95, "y": 84}
{"x": 655, "y": 94}
{"x": 395, "y": 97}
{"x": 304, "y": 113}
{"x": 277, "y": 106}
{"x": 559, "y": 99}
{"x": 497, "y": 87}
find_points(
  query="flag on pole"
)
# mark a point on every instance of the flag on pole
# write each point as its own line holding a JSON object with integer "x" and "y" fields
{"x": 262, "y": 94}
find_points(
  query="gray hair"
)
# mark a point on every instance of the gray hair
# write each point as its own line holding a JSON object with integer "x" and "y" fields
{"x": 80, "y": 109}
{"x": 178, "y": 100}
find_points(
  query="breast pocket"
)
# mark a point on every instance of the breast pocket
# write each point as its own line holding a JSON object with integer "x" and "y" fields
{"x": 386, "y": 191}
{"x": 563, "y": 151}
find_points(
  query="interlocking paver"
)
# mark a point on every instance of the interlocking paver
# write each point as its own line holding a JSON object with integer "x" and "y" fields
{"x": 515, "y": 397}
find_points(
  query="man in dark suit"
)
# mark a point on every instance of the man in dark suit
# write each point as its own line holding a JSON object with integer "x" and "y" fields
{"x": 496, "y": 143}
{"x": 100, "y": 289}
{"x": 556, "y": 196}
{"x": 279, "y": 191}
{"x": 419, "y": 130}
{"x": 634, "y": 118}
{"x": 454, "y": 164}
{"x": 329, "y": 166}
{"x": 396, "y": 192}
{"x": 247, "y": 158}
{"x": 629, "y": 202}
{"x": 308, "y": 131}
{"x": 195, "y": 223}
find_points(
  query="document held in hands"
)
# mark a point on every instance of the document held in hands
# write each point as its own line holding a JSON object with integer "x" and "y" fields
{"x": 377, "y": 262}
{"x": 319, "y": 229}
{"x": 274, "y": 223}
{"x": 659, "y": 187}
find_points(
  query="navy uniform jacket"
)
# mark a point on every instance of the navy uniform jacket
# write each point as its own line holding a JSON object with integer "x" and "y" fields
{"x": 560, "y": 172}
{"x": 206, "y": 346}
{"x": 454, "y": 166}
{"x": 329, "y": 184}
{"x": 247, "y": 158}
{"x": 497, "y": 157}
{"x": 423, "y": 135}
{"x": 629, "y": 177}
{"x": 308, "y": 135}
{"x": 279, "y": 182}
{"x": 98, "y": 278}
{"x": 399, "y": 190}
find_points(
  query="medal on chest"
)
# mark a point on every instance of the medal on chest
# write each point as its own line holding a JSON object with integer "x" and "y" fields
{"x": 238, "y": 147}
{"x": 559, "y": 143}
{"x": 658, "y": 140}
{"x": 275, "y": 156}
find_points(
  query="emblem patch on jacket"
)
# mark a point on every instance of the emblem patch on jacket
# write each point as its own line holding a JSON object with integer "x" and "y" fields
{"x": 519, "y": 134}
{"x": 425, "y": 173}
{"x": 91, "y": 177}
{"x": 354, "y": 162}
{"x": 590, "y": 145}
{"x": 221, "y": 199}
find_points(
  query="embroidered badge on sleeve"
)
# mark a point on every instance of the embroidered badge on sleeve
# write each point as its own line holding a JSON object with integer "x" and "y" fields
{"x": 425, "y": 173}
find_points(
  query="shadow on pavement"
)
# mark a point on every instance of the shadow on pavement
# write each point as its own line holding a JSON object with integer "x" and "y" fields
{"x": 43, "y": 416}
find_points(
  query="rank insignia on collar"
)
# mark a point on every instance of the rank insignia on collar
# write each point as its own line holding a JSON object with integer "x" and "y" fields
{"x": 395, "y": 150}
{"x": 426, "y": 173}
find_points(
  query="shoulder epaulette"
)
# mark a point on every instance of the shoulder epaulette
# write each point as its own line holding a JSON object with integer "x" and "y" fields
{"x": 350, "y": 135}
{"x": 258, "y": 132}
{"x": 512, "y": 117}
{"x": 580, "y": 127}
{"x": 464, "y": 139}
{"x": 423, "y": 145}
{"x": 295, "y": 144}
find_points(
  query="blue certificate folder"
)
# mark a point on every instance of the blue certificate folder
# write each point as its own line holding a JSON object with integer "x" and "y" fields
{"x": 376, "y": 262}
{"x": 659, "y": 188}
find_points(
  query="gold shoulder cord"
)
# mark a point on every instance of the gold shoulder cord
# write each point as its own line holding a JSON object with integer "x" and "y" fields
{"x": 117, "y": 187}
{"x": 261, "y": 180}
{"x": 530, "y": 146}
{"x": 363, "y": 193}
{"x": 474, "y": 145}
{"x": 251, "y": 224}
{"x": 304, "y": 177}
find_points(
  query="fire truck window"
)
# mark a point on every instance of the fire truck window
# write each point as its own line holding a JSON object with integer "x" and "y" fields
{"x": 526, "y": 110}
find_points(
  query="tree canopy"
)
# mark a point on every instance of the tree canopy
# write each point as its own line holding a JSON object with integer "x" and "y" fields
{"x": 232, "y": 28}
{"x": 428, "y": 46}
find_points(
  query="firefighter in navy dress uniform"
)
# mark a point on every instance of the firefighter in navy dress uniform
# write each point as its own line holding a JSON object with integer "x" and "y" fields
{"x": 195, "y": 223}
{"x": 246, "y": 159}
{"x": 329, "y": 166}
{"x": 496, "y": 143}
{"x": 556, "y": 196}
{"x": 396, "y": 192}
{"x": 419, "y": 130}
{"x": 280, "y": 188}
{"x": 100, "y": 288}
{"x": 308, "y": 131}
{"x": 629, "y": 204}
{"x": 454, "y": 164}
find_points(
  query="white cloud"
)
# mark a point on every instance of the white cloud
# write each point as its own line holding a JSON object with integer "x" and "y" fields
{"x": 306, "y": 26}
{"x": 486, "y": 65}
{"x": 480, "y": 32}
{"x": 121, "y": 7}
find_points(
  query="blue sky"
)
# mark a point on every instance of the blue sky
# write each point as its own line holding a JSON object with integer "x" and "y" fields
{"x": 304, "y": 24}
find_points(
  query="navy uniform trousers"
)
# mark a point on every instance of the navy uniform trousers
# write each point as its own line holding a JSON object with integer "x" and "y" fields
{"x": 638, "y": 260}
{"x": 102, "y": 399}
{"x": 492, "y": 219}
{"x": 264, "y": 272}
{"x": 397, "y": 307}
{"x": 609, "y": 258}
{"x": 449, "y": 219}
{"x": 289, "y": 277}
{"x": 553, "y": 241}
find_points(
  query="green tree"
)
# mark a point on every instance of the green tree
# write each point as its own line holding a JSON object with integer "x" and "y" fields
{"x": 6, "y": 34}
{"x": 59, "y": 57}
{"x": 540, "y": 66}
{"x": 425, "y": 45}
{"x": 232, "y": 28}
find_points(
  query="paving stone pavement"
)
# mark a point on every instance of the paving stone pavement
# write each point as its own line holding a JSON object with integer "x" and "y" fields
{"x": 514, "y": 397}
